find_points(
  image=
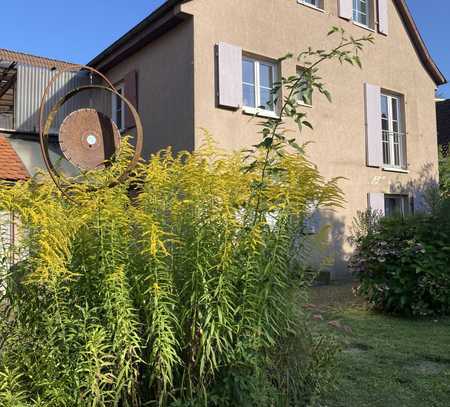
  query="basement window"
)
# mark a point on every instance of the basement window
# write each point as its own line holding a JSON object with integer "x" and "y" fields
{"x": 396, "y": 205}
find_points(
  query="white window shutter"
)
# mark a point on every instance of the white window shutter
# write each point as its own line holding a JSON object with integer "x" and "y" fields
{"x": 373, "y": 125}
{"x": 376, "y": 202}
{"x": 346, "y": 9}
{"x": 383, "y": 17}
{"x": 230, "y": 75}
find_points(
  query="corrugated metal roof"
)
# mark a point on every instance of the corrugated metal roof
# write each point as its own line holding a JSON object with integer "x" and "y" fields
{"x": 20, "y": 57}
{"x": 11, "y": 166}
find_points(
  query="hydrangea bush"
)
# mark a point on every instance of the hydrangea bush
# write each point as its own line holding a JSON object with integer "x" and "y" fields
{"x": 403, "y": 263}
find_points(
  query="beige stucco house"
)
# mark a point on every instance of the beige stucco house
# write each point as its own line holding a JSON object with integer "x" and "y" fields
{"x": 210, "y": 64}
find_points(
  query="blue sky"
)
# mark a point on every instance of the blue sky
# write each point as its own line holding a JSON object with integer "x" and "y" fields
{"x": 78, "y": 30}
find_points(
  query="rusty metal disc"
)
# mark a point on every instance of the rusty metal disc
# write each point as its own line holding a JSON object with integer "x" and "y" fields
{"x": 88, "y": 138}
{"x": 46, "y": 121}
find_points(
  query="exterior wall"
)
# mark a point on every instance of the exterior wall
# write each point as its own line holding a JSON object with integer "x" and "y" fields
{"x": 272, "y": 28}
{"x": 165, "y": 89}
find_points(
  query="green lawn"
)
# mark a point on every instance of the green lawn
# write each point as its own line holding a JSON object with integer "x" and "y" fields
{"x": 385, "y": 361}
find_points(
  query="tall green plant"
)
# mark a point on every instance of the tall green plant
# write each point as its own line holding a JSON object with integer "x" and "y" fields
{"x": 180, "y": 296}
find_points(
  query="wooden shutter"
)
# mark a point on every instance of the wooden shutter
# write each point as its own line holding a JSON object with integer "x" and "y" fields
{"x": 376, "y": 202}
{"x": 230, "y": 75}
{"x": 131, "y": 93}
{"x": 346, "y": 9}
{"x": 374, "y": 145}
{"x": 383, "y": 17}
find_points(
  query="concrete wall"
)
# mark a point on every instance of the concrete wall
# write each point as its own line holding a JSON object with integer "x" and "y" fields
{"x": 165, "y": 89}
{"x": 272, "y": 28}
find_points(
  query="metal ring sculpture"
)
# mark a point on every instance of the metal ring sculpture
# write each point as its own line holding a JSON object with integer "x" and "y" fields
{"x": 86, "y": 132}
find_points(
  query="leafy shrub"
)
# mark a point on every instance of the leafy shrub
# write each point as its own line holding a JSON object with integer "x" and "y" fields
{"x": 183, "y": 295}
{"x": 403, "y": 263}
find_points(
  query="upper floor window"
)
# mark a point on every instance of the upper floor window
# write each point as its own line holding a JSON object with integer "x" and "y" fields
{"x": 314, "y": 3}
{"x": 393, "y": 137}
{"x": 118, "y": 108}
{"x": 362, "y": 12}
{"x": 258, "y": 78}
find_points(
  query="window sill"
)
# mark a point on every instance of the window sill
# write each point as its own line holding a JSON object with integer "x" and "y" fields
{"x": 311, "y": 6}
{"x": 366, "y": 27}
{"x": 393, "y": 169}
{"x": 260, "y": 112}
{"x": 302, "y": 104}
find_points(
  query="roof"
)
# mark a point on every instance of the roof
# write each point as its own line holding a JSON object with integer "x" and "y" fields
{"x": 443, "y": 121}
{"x": 421, "y": 48}
{"x": 11, "y": 166}
{"x": 169, "y": 5}
{"x": 20, "y": 57}
{"x": 150, "y": 21}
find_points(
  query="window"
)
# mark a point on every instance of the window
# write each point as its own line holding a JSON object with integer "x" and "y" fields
{"x": 257, "y": 82}
{"x": 362, "y": 12}
{"x": 393, "y": 137}
{"x": 304, "y": 96}
{"x": 396, "y": 205}
{"x": 314, "y": 3}
{"x": 118, "y": 108}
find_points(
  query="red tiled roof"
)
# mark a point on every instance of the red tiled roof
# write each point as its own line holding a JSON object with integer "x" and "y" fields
{"x": 14, "y": 56}
{"x": 11, "y": 166}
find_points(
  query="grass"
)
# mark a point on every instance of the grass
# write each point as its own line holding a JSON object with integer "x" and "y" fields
{"x": 385, "y": 361}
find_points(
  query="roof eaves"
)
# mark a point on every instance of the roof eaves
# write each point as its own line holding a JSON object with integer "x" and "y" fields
{"x": 165, "y": 8}
{"x": 419, "y": 43}
{"x": 405, "y": 13}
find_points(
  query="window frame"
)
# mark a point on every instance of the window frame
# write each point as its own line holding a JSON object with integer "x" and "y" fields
{"x": 394, "y": 138}
{"x": 121, "y": 89}
{"x": 317, "y": 5}
{"x": 404, "y": 202}
{"x": 370, "y": 14}
{"x": 257, "y": 109}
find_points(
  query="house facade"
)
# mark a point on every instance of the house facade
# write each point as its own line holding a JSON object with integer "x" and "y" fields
{"x": 210, "y": 65}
